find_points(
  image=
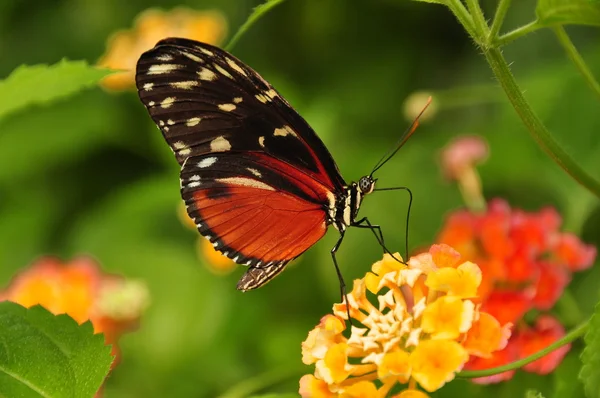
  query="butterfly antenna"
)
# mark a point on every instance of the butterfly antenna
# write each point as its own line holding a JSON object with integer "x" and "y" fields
{"x": 401, "y": 141}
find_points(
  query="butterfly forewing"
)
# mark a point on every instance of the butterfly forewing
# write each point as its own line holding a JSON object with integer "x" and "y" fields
{"x": 256, "y": 179}
{"x": 205, "y": 100}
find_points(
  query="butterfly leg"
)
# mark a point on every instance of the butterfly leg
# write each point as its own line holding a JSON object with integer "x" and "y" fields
{"x": 344, "y": 295}
{"x": 376, "y": 229}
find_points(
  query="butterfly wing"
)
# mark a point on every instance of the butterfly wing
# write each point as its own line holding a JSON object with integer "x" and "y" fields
{"x": 205, "y": 100}
{"x": 255, "y": 209}
{"x": 256, "y": 179}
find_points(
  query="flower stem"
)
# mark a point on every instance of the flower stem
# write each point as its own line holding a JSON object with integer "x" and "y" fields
{"x": 498, "y": 20}
{"x": 579, "y": 62}
{"x": 460, "y": 12}
{"x": 568, "y": 338}
{"x": 261, "y": 382}
{"x": 481, "y": 26}
{"x": 515, "y": 34}
{"x": 535, "y": 126}
{"x": 258, "y": 12}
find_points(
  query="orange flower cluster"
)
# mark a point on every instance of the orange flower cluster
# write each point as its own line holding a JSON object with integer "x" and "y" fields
{"x": 125, "y": 47}
{"x": 526, "y": 263}
{"x": 82, "y": 291}
{"x": 423, "y": 329}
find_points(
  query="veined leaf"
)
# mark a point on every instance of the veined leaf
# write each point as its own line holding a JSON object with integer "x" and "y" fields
{"x": 43, "y": 355}
{"x": 41, "y": 84}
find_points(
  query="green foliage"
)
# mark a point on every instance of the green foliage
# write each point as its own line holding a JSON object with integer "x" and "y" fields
{"x": 43, "y": 84}
{"x": 560, "y": 12}
{"x": 590, "y": 357}
{"x": 533, "y": 394}
{"x": 91, "y": 174}
{"x": 42, "y": 355}
{"x": 256, "y": 14}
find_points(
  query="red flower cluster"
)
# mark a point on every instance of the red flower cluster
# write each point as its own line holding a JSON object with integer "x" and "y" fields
{"x": 526, "y": 263}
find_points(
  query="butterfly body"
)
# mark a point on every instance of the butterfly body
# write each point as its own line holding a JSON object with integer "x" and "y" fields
{"x": 256, "y": 179}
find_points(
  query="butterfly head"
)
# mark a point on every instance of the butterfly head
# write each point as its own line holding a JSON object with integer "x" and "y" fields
{"x": 366, "y": 184}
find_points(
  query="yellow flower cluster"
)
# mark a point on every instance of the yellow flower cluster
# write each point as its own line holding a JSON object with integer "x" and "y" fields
{"x": 423, "y": 329}
{"x": 125, "y": 47}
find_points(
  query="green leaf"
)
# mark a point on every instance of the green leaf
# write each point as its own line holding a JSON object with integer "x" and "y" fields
{"x": 41, "y": 84}
{"x": 590, "y": 357}
{"x": 42, "y": 355}
{"x": 560, "y": 12}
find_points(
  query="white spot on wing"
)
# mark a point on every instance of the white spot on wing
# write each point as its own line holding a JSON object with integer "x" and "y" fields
{"x": 227, "y": 107}
{"x": 160, "y": 69}
{"x": 254, "y": 171}
{"x": 261, "y": 141}
{"x": 262, "y": 98}
{"x": 165, "y": 57}
{"x": 179, "y": 145}
{"x": 222, "y": 71}
{"x": 151, "y": 103}
{"x": 220, "y": 144}
{"x": 283, "y": 131}
{"x": 245, "y": 182}
{"x": 167, "y": 102}
{"x": 205, "y": 51}
{"x": 207, "y": 74}
{"x": 237, "y": 100}
{"x": 170, "y": 122}
{"x": 235, "y": 67}
{"x": 271, "y": 93}
{"x": 191, "y": 122}
{"x": 185, "y": 85}
{"x": 207, "y": 162}
{"x": 148, "y": 86}
{"x": 193, "y": 184}
{"x": 193, "y": 57}
{"x": 195, "y": 177}
{"x": 184, "y": 152}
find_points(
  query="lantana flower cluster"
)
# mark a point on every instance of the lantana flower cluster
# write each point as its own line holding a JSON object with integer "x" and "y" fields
{"x": 81, "y": 290}
{"x": 526, "y": 263}
{"x": 412, "y": 323}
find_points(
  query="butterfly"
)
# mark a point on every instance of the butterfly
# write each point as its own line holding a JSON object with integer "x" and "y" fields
{"x": 256, "y": 179}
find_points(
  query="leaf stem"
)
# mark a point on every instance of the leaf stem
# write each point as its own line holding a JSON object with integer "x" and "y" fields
{"x": 569, "y": 47}
{"x": 568, "y": 338}
{"x": 535, "y": 126}
{"x": 258, "y": 12}
{"x": 498, "y": 20}
{"x": 516, "y": 33}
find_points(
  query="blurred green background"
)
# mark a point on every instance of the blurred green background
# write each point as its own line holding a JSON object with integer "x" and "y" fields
{"x": 92, "y": 175}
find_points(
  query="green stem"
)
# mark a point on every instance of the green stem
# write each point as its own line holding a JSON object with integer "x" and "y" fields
{"x": 535, "y": 126}
{"x": 258, "y": 12}
{"x": 498, "y": 20}
{"x": 258, "y": 383}
{"x": 481, "y": 26}
{"x": 460, "y": 12}
{"x": 568, "y": 338}
{"x": 579, "y": 62}
{"x": 515, "y": 34}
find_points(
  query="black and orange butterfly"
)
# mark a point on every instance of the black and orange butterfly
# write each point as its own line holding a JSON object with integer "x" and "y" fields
{"x": 256, "y": 179}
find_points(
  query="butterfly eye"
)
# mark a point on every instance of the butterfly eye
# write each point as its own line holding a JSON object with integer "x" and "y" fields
{"x": 366, "y": 184}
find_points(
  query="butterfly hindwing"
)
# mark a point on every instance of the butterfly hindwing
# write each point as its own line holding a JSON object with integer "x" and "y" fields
{"x": 238, "y": 204}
